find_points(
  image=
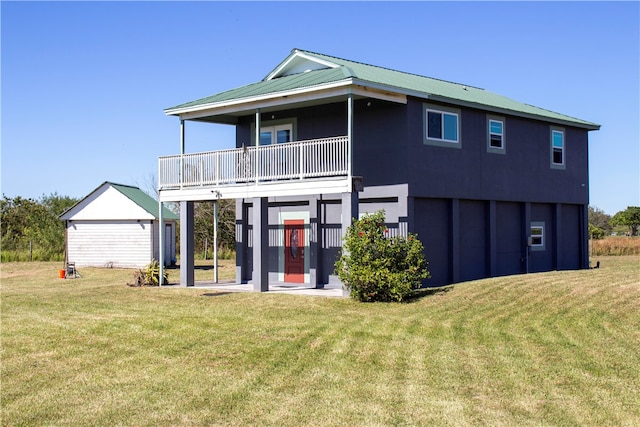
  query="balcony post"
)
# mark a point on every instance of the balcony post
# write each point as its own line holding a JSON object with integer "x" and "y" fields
{"x": 350, "y": 134}
{"x": 181, "y": 153}
{"x": 257, "y": 161}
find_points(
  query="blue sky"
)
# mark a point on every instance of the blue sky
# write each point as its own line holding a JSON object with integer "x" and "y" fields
{"x": 84, "y": 84}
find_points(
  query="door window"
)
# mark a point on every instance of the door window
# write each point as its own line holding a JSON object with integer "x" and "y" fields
{"x": 275, "y": 134}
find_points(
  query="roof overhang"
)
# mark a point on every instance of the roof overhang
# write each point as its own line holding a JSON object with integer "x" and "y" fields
{"x": 230, "y": 110}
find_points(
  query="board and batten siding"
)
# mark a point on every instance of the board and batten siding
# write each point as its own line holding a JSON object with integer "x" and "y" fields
{"x": 124, "y": 243}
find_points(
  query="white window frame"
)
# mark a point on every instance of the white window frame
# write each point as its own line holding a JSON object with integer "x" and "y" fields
{"x": 536, "y": 242}
{"x": 563, "y": 149}
{"x": 442, "y": 142}
{"x": 273, "y": 126}
{"x": 274, "y": 132}
{"x": 502, "y": 149}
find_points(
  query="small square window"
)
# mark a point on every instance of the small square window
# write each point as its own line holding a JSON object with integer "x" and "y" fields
{"x": 536, "y": 239}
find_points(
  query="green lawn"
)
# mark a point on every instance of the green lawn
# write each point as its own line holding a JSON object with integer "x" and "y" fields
{"x": 559, "y": 348}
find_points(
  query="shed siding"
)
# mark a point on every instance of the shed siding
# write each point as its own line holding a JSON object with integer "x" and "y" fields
{"x": 117, "y": 243}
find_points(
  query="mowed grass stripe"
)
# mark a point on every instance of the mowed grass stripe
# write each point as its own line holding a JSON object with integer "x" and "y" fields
{"x": 558, "y": 348}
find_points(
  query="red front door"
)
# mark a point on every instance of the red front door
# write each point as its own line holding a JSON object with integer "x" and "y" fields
{"x": 294, "y": 250}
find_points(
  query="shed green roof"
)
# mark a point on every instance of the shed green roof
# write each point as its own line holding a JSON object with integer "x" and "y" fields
{"x": 325, "y": 69}
{"x": 143, "y": 200}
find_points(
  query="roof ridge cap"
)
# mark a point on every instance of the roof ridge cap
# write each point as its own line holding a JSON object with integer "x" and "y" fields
{"x": 391, "y": 69}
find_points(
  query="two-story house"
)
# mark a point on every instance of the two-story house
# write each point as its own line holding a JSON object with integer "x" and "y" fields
{"x": 491, "y": 186}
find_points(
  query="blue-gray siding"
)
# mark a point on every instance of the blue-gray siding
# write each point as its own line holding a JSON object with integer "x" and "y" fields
{"x": 471, "y": 208}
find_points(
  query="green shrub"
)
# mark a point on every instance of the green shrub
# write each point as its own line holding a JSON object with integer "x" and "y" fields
{"x": 149, "y": 275}
{"x": 376, "y": 267}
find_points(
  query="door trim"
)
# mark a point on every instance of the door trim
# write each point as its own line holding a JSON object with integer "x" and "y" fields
{"x": 299, "y": 215}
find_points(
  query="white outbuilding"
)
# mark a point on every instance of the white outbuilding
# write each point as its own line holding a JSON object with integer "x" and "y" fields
{"x": 117, "y": 226}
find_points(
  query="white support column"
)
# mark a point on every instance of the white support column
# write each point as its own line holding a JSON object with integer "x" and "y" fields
{"x": 350, "y": 134}
{"x": 160, "y": 241}
{"x": 257, "y": 161}
{"x": 181, "y": 152}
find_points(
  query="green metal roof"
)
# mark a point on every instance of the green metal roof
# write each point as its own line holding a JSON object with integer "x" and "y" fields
{"x": 265, "y": 87}
{"x": 278, "y": 81}
{"x": 143, "y": 200}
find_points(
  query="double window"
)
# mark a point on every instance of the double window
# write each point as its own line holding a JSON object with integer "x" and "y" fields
{"x": 275, "y": 134}
{"x": 558, "y": 160}
{"x": 442, "y": 126}
{"x": 275, "y": 131}
{"x": 496, "y": 142}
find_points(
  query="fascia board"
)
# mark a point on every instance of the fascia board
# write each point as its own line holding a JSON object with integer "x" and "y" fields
{"x": 269, "y": 99}
{"x": 578, "y": 123}
{"x": 425, "y": 95}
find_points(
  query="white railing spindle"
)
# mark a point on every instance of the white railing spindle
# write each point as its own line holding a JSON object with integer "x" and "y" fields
{"x": 327, "y": 157}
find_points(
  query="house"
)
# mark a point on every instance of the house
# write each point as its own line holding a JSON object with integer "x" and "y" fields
{"x": 117, "y": 226}
{"x": 491, "y": 186}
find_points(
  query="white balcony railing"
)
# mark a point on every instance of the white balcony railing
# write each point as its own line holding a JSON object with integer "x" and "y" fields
{"x": 327, "y": 157}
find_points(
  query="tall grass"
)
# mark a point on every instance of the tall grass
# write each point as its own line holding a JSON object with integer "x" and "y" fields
{"x": 34, "y": 255}
{"x": 555, "y": 348}
{"x": 615, "y": 245}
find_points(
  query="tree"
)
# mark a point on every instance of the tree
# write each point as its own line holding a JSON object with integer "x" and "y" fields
{"x": 203, "y": 225}
{"x": 629, "y": 217}
{"x": 27, "y": 222}
{"x": 595, "y": 233}
{"x": 600, "y": 219}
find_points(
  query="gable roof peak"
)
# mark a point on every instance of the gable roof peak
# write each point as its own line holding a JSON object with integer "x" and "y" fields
{"x": 300, "y": 61}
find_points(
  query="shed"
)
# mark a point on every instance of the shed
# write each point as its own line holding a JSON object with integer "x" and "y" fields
{"x": 117, "y": 226}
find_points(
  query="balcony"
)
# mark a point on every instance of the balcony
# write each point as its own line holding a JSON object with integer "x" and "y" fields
{"x": 318, "y": 166}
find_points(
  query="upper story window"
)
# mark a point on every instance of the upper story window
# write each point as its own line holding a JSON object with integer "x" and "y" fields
{"x": 496, "y": 141}
{"x": 275, "y": 131}
{"x": 557, "y": 148}
{"x": 441, "y": 126}
{"x": 275, "y": 134}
